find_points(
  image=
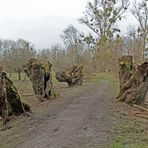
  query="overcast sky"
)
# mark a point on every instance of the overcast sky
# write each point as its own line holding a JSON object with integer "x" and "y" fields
{"x": 41, "y": 21}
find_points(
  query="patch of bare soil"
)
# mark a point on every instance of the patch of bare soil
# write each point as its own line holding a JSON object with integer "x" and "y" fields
{"x": 83, "y": 117}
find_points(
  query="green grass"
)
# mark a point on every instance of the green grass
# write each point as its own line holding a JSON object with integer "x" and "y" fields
{"x": 100, "y": 76}
{"x": 25, "y": 83}
{"x": 129, "y": 133}
{"x": 114, "y": 87}
{"x": 14, "y": 76}
{"x": 3, "y": 146}
{"x": 116, "y": 145}
{"x": 95, "y": 78}
{"x": 110, "y": 77}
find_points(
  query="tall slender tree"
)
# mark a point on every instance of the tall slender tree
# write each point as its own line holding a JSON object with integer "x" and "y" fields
{"x": 101, "y": 16}
{"x": 140, "y": 12}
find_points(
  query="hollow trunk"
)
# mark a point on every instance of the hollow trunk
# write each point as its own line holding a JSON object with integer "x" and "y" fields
{"x": 10, "y": 101}
{"x": 74, "y": 76}
{"x": 41, "y": 79}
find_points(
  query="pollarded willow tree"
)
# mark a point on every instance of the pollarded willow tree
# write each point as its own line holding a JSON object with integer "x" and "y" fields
{"x": 41, "y": 78}
{"x": 10, "y": 101}
{"x": 73, "y": 76}
{"x": 101, "y": 16}
{"x": 133, "y": 81}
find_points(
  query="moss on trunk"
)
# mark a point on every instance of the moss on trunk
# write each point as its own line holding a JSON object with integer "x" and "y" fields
{"x": 135, "y": 86}
{"x": 10, "y": 101}
{"x": 41, "y": 78}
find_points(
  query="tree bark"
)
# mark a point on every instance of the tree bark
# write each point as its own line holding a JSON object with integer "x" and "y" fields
{"x": 10, "y": 101}
{"x": 41, "y": 78}
{"x": 133, "y": 90}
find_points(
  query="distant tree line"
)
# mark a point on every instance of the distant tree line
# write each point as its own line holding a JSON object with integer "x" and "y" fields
{"x": 14, "y": 54}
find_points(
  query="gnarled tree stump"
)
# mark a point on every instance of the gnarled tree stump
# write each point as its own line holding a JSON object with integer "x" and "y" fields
{"x": 10, "y": 101}
{"x": 133, "y": 91}
{"x": 41, "y": 78}
{"x": 73, "y": 77}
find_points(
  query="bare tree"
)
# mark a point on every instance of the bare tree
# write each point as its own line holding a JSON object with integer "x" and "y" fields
{"x": 140, "y": 12}
{"x": 57, "y": 55}
{"x": 134, "y": 44}
{"x": 72, "y": 39}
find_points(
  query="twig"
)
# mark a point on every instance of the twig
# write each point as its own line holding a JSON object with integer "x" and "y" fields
{"x": 143, "y": 108}
{"x": 139, "y": 114}
{"x": 146, "y": 102}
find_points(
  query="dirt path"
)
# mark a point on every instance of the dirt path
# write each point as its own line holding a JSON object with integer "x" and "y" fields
{"x": 77, "y": 121}
{"x": 81, "y": 118}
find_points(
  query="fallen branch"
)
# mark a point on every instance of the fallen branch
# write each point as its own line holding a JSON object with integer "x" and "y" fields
{"x": 140, "y": 107}
{"x": 139, "y": 114}
{"x": 146, "y": 102}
